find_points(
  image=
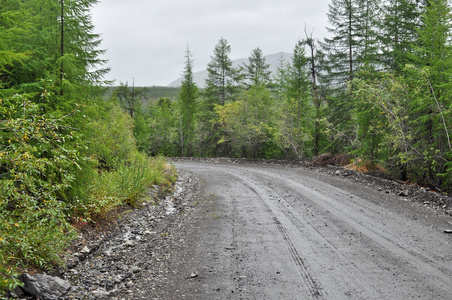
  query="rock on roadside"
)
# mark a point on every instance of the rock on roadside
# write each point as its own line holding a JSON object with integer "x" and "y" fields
{"x": 45, "y": 287}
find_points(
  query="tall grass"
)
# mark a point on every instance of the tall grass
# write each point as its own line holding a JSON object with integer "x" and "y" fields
{"x": 105, "y": 190}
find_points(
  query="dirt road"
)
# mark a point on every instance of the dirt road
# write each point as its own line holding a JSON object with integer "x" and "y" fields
{"x": 291, "y": 233}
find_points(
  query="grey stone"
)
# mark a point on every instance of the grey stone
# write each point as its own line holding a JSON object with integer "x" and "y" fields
{"x": 85, "y": 250}
{"x": 404, "y": 193}
{"x": 45, "y": 287}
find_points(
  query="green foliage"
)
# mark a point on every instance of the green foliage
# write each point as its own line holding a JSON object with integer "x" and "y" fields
{"x": 14, "y": 25}
{"x": 38, "y": 162}
{"x": 163, "y": 129}
{"x": 104, "y": 190}
{"x": 246, "y": 125}
{"x": 398, "y": 26}
{"x": 403, "y": 124}
{"x": 109, "y": 137}
{"x": 221, "y": 84}
{"x": 187, "y": 107}
{"x": 292, "y": 133}
{"x": 65, "y": 159}
{"x": 257, "y": 72}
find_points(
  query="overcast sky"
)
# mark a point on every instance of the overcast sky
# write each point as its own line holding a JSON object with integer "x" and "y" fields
{"x": 147, "y": 40}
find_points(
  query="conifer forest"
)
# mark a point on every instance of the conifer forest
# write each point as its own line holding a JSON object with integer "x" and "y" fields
{"x": 377, "y": 90}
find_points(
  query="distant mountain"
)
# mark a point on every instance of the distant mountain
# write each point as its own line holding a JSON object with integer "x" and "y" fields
{"x": 273, "y": 60}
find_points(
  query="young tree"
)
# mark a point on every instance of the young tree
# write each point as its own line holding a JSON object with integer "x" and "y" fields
{"x": 247, "y": 126}
{"x": 257, "y": 71}
{"x": 294, "y": 124}
{"x": 129, "y": 98}
{"x": 298, "y": 83}
{"x": 187, "y": 105}
{"x": 317, "y": 93}
{"x": 163, "y": 124}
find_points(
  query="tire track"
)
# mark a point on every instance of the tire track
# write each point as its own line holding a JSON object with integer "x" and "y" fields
{"x": 312, "y": 285}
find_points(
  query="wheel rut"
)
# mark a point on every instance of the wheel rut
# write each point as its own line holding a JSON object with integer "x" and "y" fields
{"x": 313, "y": 287}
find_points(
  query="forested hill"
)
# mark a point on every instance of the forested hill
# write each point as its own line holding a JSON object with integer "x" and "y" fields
{"x": 149, "y": 93}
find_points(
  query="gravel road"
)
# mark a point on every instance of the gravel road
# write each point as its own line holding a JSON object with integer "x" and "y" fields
{"x": 238, "y": 229}
{"x": 275, "y": 232}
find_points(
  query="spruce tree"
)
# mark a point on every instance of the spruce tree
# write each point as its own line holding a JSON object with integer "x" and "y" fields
{"x": 431, "y": 86}
{"x": 256, "y": 72}
{"x": 298, "y": 81}
{"x": 15, "y": 26}
{"x": 294, "y": 127}
{"x": 354, "y": 41}
{"x": 221, "y": 83}
{"x": 352, "y": 47}
{"x": 187, "y": 105}
{"x": 398, "y": 32}
{"x": 280, "y": 79}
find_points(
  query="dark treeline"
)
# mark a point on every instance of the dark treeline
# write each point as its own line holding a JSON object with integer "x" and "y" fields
{"x": 378, "y": 89}
{"x": 147, "y": 94}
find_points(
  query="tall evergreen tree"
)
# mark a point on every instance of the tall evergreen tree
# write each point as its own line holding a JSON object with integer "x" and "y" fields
{"x": 221, "y": 83}
{"x": 433, "y": 48}
{"x": 280, "y": 78}
{"x": 294, "y": 127}
{"x": 398, "y": 32}
{"x": 431, "y": 86}
{"x": 298, "y": 81}
{"x": 257, "y": 71}
{"x": 368, "y": 43}
{"x": 354, "y": 41}
{"x": 80, "y": 58}
{"x": 353, "y": 46}
{"x": 63, "y": 49}
{"x": 14, "y": 28}
{"x": 187, "y": 104}
{"x": 318, "y": 94}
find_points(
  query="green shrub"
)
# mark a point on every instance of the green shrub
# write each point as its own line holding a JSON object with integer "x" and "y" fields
{"x": 38, "y": 161}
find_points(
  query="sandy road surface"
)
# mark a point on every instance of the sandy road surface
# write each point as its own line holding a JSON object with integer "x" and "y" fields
{"x": 282, "y": 233}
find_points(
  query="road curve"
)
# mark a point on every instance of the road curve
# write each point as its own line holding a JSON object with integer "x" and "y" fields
{"x": 291, "y": 233}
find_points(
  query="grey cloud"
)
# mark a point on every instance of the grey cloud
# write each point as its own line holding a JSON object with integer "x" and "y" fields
{"x": 146, "y": 40}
